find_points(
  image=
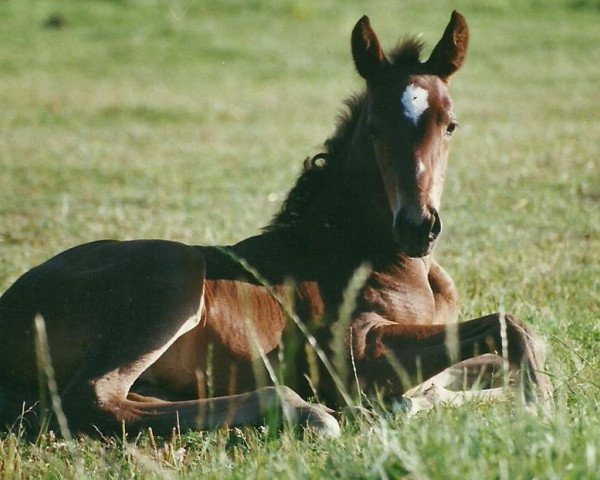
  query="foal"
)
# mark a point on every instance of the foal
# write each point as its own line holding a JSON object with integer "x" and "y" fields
{"x": 155, "y": 333}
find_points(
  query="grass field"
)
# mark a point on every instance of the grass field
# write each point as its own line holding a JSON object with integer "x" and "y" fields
{"x": 189, "y": 120}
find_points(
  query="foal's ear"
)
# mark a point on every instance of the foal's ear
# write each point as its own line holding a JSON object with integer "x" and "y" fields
{"x": 449, "y": 54}
{"x": 368, "y": 56}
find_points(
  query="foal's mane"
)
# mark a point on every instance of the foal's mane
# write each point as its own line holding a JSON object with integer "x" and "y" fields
{"x": 318, "y": 181}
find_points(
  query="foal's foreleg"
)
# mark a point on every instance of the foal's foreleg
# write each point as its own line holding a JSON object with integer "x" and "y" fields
{"x": 480, "y": 378}
{"x": 423, "y": 349}
{"x": 445, "y": 295}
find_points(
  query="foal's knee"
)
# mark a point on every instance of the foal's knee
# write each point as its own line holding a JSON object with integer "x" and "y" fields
{"x": 525, "y": 346}
{"x": 527, "y": 350}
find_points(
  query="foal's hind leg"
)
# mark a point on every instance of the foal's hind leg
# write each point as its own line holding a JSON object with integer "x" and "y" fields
{"x": 247, "y": 409}
{"x": 102, "y": 402}
{"x": 98, "y": 397}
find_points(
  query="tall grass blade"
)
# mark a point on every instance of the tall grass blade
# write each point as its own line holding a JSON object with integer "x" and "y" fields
{"x": 504, "y": 346}
{"x": 45, "y": 364}
{"x": 341, "y": 328}
{"x": 452, "y": 342}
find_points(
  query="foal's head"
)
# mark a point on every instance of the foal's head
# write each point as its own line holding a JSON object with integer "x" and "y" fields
{"x": 408, "y": 121}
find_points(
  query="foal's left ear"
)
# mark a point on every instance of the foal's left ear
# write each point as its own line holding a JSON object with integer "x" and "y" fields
{"x": 368, "y": 56}
{"x": 449, "y": 54}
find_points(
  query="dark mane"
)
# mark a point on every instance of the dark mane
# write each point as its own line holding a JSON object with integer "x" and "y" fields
{"x": 316, "y": 186}
{"x": 317, "y": 182}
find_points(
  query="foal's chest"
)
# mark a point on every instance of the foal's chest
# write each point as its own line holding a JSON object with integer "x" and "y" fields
{"x": 401, "y": 294}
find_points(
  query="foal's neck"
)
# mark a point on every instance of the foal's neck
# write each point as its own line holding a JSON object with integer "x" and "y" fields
{"x": 338, "y": 208}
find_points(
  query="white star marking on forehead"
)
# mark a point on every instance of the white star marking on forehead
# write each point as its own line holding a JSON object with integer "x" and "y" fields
{"x": 414, "y": 102}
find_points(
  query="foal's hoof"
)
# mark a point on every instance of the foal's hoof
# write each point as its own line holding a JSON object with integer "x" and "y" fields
{"x": 321, "y": 422}
{"x": 310, "y": 416}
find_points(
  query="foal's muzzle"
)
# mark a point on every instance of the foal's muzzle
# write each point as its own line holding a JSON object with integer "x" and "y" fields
{"x": 416, "y": 237}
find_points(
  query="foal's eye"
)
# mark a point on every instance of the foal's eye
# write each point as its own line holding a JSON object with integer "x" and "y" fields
{"x": 451, "y": 127}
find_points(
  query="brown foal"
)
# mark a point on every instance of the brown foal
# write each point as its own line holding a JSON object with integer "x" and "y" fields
{"x": 154, "y": 333}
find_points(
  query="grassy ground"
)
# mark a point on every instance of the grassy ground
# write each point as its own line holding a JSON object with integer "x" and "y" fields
{"x": 189, "y": 120}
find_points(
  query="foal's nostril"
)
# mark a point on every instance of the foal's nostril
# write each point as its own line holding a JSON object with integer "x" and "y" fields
{"x": 435, "y": 225}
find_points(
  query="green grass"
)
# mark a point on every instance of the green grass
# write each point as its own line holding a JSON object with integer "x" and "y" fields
{"x": 190, "y": 120}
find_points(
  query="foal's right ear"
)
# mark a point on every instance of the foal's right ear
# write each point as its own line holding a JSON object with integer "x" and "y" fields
{"x": 368, "y": 56}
